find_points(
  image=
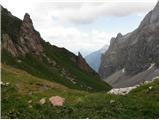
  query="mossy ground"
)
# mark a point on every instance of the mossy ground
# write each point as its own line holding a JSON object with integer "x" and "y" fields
{"x": 139, "y": 103}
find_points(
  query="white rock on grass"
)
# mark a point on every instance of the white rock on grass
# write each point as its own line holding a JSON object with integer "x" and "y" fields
{"x": 4, "y": 83}
{"x": 150, "y": 87}
{"x": 30, "y": 101}
{"x": 124, "y": 91}
{"x": 7, "y": 83}
{"x": 42, "y": 101}
{"x": 112, "y": 101}
{"x": 1, "y": 82}
{"x": 121, "y": 91}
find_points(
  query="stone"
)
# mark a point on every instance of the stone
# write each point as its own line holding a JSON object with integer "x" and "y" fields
{"x": 30, "y": 106}
{"x": 7, "y": 83}
{"x": 150, "y": 87}
{"x": 112, "y": 101}
{"x": 19, "y": 61}
{"x": 1, "y": 82}
{"x": 42, "y": 101}
{"x": 30, "y": 101}
{"x": 57, "y": 101}
{"x": 122, "y": 91}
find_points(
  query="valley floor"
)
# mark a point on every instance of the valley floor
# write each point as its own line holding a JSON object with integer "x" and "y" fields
{"x": 21, "y": 93}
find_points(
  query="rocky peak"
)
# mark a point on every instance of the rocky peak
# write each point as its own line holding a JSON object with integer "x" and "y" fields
{"x": 27, "y": 22}
{"x": 151, "y": 18}
{"x": 80, "y": 59}
{"x": 29, "y": 38}
{"x": 79, "y": 55}
{"x": 119, "y": 35}
{"x": 112, "y": 40}
{"x": 21, "y": 33}
{"x": 27, "y": 18}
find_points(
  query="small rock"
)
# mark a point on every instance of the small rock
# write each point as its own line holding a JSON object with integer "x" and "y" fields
{"x": 19, "y": 61}
{"x": 42, "y": 101}
{"x": 7, "y": 83}
{"x": 1, "y": 83}
{"x": 56, "y": 100}
{"x": 30, "y": 93}
{"x": 30, "y": 101}
{"x": 150, "y": 88}
{"x": 30, "y": 106}
{"x": 112, "y": 101}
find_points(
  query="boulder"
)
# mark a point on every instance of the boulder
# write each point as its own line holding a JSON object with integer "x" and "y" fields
{"x": 57, "y": 101}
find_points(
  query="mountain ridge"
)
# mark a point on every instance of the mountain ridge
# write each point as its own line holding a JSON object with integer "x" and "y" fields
{"x": 23, "y": 48}
{"x": 134, "y": 52}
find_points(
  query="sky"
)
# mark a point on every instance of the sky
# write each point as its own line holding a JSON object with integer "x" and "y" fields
{"x": 81, "y": 25}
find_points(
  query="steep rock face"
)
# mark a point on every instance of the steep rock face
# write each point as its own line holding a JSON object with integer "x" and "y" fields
{"x": 94, "y": 59}
{"x": 27, "y": 40}
{"x": 135, "y": 51}
{"x": 9, "y": 45}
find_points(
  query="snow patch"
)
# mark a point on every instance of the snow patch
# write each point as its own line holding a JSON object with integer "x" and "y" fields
{"x": 123, "y": 70}
{"x": 151, "y": 66}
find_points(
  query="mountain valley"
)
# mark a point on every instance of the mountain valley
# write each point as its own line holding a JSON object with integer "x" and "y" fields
{"x": 43, "y": 81}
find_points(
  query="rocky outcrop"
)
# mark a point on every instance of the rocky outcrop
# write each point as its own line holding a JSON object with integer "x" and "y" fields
{"x": 135, "y": 51}
{"x": 28, "y": 40}
{"x": 9, "y": 45}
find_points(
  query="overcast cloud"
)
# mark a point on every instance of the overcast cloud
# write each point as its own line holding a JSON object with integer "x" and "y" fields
{"x": 53, "y": 19}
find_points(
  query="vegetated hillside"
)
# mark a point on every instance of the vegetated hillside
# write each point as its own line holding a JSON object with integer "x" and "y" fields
{"x": 94, "y": 58}
{"x": 134, "y": 57}
{"x": 23, "y": 48}
{"x": 21, "y": 93}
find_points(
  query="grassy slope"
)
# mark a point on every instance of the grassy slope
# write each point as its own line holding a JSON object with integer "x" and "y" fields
{"x": 140, "y": 103}
{"x": 63, "y": 58}
{"x": 41, "y": 69}
{"x": 33, "y": 65}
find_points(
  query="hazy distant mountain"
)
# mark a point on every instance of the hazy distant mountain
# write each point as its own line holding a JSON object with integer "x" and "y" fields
{"x": 134, "y": 57}
{"x": 94, "y": 59}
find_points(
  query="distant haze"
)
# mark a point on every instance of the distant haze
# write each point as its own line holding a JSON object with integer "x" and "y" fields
{"x": 94, "y": 59}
